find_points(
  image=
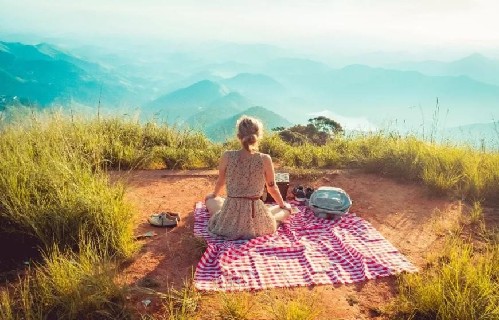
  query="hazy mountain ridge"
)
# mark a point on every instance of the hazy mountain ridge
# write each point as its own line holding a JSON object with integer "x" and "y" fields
{"x": 254, "y": 83}
{"x": 220, "y": 109}
{"x": 476, "y": 66}
{"x": 212, "y": 108}
{"x": 379, "y": 93}
{"x": 189, "y": 86}
{"x": 179, "y": 105}
{"x": 225, "y": 129}
{"x": 44, "y": 75}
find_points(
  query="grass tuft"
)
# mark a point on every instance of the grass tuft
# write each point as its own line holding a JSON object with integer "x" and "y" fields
{"x": 476, "y": 213}
{"x": 461, "y": 285}
{"x": 67, "y": 285}
{"x": 292, "y": 307}
{"x": 182, "y": 304}
{"x": 236, "y": 306}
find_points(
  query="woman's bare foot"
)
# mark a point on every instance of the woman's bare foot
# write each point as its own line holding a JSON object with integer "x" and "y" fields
{"x": 214, "y": 204}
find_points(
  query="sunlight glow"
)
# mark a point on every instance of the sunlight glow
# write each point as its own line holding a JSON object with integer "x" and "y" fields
{"x": 365, "y": 24}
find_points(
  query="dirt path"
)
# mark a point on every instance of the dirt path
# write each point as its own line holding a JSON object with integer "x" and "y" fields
{"x": 403, "y": 213}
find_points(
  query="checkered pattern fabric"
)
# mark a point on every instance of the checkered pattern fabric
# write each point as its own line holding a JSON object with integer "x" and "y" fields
{"x": 304, "y": 251}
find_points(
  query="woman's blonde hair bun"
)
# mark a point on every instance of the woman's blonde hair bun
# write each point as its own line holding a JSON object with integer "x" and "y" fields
{"x": 249, "y": 131}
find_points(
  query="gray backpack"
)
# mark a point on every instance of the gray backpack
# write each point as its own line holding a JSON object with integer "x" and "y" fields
{"x": 329, "y": 202}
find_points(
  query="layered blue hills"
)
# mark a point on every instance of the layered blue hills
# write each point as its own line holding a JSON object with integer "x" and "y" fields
{"x": 476, "y": 66}
{"x": 41, "y": 75}
{"x": 201, "y": 89}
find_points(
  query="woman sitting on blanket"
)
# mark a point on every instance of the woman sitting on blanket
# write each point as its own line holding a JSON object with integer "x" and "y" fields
{"x": 245, "y": 172}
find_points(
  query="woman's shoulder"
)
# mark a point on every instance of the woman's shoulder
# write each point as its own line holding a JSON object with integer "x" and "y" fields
{"x": 265, "y": 156}
{"x": 229, "y": 153}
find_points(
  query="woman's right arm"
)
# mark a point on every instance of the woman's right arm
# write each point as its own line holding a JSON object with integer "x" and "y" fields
{"x": 222, "y": 167}
{"x": 272, "y": 188}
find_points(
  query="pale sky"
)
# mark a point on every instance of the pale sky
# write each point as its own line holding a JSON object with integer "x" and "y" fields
{"x": 370, "y": 25}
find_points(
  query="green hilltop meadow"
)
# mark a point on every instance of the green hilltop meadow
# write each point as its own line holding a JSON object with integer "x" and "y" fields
{"x": 55, "y": 195}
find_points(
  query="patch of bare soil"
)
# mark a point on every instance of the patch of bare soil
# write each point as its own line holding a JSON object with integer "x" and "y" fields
{"x": 404, "y": 213}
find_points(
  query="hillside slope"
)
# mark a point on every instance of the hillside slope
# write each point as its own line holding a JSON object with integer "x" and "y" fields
{"x": 225, "y": 129}
{"x": 179, "y": 105}
{"x": 226, "y": 106}
{"x": 43, "y": 75}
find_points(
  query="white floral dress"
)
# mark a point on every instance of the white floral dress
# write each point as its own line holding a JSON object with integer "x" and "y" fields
{"x": 243, "y": 214}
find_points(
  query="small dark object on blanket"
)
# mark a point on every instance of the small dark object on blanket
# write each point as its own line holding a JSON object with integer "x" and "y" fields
{"x": 299, "y": 194}
{"x": 308, "y": 192}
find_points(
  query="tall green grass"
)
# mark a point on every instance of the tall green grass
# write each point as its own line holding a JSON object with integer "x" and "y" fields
{"x": 67, "y": 285}
{"x": 54, "y": 192}
{"x": 293, "y": 306}
{"x": 127, "y": 144}
{"x": 462, "y": 284}
{"x": 236, "y": 306}
{"x": 54, "y": 189}
{"x": 49, "y": 190}
{"x": 446, "y": 169}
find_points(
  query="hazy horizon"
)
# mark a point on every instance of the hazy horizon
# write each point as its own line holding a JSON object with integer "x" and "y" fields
{"x": 442, "y": 30}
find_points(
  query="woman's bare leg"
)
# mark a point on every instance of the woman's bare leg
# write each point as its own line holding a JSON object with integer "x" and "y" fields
{"x": 214, "y": 204}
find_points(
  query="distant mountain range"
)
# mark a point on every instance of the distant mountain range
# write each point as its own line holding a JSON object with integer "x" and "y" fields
{"x": 256, "y": 85}
{"x": 475, "y": 66}
{"x": 204, "y": 89}
{"x": 220, "y": 109}
{"x": 209, "y": 107}
{"x": 42, "y": 75}
{"x": 181, "y": 104}
{"x": 381, "y": 94}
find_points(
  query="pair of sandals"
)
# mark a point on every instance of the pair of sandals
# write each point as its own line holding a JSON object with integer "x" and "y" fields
{"x": 164, "y": 219}
{"x": 302, "y": 194}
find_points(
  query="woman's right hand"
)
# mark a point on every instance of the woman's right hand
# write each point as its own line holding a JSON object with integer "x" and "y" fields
{"x": 286, "y": 206}
{"x": 209, "y": 196}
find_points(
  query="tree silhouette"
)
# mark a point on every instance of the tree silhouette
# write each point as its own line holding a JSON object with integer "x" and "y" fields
{"x": 318, "y": 131}
{"x": 327, "y": 125}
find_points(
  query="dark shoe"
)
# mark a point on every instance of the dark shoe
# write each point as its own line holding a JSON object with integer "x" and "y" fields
{"x": 299, "y": 194}
{"x": 308, "y": 192}
{"x": 297, "y": 189}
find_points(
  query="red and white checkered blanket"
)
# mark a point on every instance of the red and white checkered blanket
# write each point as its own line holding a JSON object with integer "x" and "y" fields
{"x": 304, "y": 251}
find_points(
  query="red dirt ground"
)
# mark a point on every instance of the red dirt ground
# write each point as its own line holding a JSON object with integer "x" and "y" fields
{"x": 404, "y": 213}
